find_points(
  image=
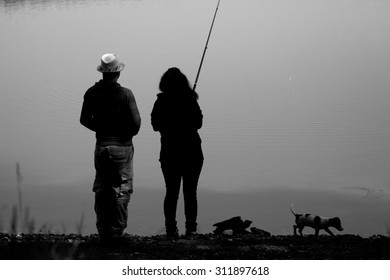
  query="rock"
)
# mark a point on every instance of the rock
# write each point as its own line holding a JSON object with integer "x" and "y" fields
{"x": 5, "y": 239}
{"x": 228, "y": 232}
{"x": 260, "y": 232}
{"x": 236, "y": 224}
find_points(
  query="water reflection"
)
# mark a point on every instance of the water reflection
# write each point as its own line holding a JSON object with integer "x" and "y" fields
{"x": 301, "y": 104}
{"x": 15, "y": 5}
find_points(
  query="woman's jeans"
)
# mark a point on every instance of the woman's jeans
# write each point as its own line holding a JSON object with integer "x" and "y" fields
{"x": 174, "y": 173}
{"x": 113, "y": 186}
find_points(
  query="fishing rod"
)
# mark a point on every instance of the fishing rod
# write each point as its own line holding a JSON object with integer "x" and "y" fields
{"x": 205, "y": 48}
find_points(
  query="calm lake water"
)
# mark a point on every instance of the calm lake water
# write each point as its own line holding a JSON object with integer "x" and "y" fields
{"x": 295, "y": 96}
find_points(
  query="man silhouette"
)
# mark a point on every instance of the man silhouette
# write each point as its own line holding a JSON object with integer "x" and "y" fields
{"x": 111, "y": 112}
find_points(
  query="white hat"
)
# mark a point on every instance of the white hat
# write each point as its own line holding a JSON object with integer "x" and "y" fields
{"x": 110, "y": 63}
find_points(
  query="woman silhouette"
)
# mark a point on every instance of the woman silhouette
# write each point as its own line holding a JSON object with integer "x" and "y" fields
{"x": 177, "y": 116}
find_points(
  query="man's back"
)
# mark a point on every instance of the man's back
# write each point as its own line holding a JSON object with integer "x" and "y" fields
{"x": 111, "y": 111}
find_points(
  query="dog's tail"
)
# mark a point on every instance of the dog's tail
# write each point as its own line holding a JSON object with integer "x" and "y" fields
{"x": 292, "y": 210}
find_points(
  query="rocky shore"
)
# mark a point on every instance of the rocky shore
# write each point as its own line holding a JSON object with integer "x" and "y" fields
{"x": 199, "y": 247}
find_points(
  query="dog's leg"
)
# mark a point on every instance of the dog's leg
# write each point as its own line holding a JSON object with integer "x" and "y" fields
{"x": 328, "y": 231}
{"x": 300, "y": 231}
{"x": 316, "y": 232}
{"x": 295, "y": 229}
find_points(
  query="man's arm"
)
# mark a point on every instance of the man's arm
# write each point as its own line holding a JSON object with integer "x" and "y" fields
{"x": 86, "y": 117}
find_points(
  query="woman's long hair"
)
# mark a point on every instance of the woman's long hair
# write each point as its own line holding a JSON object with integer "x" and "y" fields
{"x": 173, "y": 81}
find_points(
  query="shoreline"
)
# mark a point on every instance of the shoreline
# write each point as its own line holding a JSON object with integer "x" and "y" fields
{"x": 200, "y": 247}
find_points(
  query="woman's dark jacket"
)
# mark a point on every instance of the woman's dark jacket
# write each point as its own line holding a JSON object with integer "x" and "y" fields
{"x": 178, "y": 117}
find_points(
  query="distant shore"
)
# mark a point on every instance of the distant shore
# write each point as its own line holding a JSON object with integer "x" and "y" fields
{"x": 203, "y": 246}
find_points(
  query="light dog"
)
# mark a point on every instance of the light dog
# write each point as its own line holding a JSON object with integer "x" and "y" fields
{"x": 316, "y": 222}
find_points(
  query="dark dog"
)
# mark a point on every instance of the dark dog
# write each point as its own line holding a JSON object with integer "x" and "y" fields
{"x": 316, "y": 222}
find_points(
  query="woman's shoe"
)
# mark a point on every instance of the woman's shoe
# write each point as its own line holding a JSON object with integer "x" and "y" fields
{"x": 172, "y": 234}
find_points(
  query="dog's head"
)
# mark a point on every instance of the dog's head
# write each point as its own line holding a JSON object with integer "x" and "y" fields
{"x": 336, "y": 223}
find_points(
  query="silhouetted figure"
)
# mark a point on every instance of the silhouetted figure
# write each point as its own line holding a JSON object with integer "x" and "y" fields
{"x": 177, "y": 116}
{"x": 111, "y": 111}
